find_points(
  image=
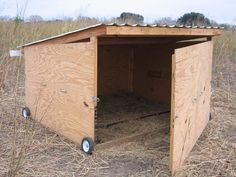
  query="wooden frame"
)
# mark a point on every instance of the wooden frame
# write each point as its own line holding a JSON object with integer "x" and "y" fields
{"x": 62, "y": 78}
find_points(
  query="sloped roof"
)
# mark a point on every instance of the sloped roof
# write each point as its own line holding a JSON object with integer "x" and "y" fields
{"x": 133, "y": 26}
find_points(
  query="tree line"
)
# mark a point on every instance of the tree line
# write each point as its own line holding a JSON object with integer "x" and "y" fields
{"x": 189, "y": 19}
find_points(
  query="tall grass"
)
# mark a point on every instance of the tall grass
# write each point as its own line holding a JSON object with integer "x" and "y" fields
{"x": 13, "y": 34}
{"x": 224, "y": 50}
{"x": 224, "y": 64}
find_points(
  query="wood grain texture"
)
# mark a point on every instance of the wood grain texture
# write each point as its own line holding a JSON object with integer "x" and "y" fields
{"x": 74, "y": 37}
{"x": 139, "y": 40}
{"x": 191, "y": 92}
{"x": 60, "y": 84}
{"x": 172, "y": 111}
{"x": 142, "y": 69}
{"x": 152, "y": 72}
{"x": 145, "y": 31}
{"x": 114, "y": 67}
{"x": 128, "y": 31}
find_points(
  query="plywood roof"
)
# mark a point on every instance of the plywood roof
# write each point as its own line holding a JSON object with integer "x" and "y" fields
{"x": 134, "y": 30}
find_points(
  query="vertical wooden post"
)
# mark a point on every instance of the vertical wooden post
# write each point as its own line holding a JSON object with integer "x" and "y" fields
{"x": 131, "y": 70}
{"x": 172, "y": 111}
{"x": 94, "y": 41}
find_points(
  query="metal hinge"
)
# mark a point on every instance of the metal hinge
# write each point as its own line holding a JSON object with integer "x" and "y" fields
{"x": 95, "y": 99}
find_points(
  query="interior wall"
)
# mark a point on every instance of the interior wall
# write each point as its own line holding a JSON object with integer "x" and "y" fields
{"x": 114, "y": 69}
{"x": 152, "y": 71}
{"x": 142, "y": 69}
{"x": 184, "y": 44}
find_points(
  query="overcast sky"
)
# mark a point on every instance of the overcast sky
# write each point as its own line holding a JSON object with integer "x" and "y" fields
{"x": 220, "y": 10}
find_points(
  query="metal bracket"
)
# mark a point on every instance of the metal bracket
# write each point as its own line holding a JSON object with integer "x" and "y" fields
{"x": 63, "y": 90}
{"x": 96, "y": 99}
{"x": 15, "y": 53}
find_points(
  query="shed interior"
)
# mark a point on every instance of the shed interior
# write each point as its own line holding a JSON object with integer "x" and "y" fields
{"x": 134, "y": 85}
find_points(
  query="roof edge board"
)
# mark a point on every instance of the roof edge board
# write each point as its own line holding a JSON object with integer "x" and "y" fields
{"x": 62, "y": 35}
{"x": 161, "y": 31}
{"x": 155, "y": 30}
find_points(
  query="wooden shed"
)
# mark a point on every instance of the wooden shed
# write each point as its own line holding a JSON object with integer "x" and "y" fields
{"x": 67, "y": 74}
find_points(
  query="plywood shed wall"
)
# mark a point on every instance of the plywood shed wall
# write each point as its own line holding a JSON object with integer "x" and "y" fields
{"x": 114, "y": 72}
{"x": 60, "y": 85}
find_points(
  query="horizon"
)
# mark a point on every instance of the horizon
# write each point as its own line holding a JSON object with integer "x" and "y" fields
{"x": 151, "y": 10}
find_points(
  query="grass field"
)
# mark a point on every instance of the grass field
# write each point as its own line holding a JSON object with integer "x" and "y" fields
{"x": 28, "y": 149}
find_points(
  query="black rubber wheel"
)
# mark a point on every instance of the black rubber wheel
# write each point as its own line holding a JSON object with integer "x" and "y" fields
{"x": 87, "y": 145}
{"x": 25, "y": 112}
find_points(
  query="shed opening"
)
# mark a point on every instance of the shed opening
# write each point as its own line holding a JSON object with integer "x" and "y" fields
{"x": 134, "y": 87}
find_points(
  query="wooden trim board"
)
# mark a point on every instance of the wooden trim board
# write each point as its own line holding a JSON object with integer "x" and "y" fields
{"x": 70, "y": 38}
{"x": 146, "y": 31}
{"x": 172, "y": 110}
{"x": 112, "y": 30}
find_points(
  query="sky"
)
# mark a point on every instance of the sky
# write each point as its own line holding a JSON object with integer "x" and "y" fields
{"x": 222, "y": 11}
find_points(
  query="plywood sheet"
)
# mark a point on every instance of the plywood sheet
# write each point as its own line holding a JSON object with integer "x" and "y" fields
{"x": 145, "y": 31}
{"x": 60, "y": 84}
{"x": 152, "y": 72}
{"x": 191, "y": 90}
{"x": 114, "y": 69}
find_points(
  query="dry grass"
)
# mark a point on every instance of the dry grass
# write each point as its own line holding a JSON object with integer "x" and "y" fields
{"x": 28, "y": 149}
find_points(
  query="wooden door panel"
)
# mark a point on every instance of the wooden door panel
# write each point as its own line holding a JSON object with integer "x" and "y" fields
{"x": 60, "y": 84}
{"x": 191, "y": 90}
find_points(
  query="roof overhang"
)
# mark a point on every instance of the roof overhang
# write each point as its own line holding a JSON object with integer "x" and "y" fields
{"x": 126, "y": 30}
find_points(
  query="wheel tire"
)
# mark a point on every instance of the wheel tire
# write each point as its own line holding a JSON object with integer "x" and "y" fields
{"x": 87, "y": 145}
{"x": 25, "y": 112}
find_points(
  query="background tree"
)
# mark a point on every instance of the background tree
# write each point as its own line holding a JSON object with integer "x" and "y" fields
{"x": 18, "y": 19}
{"x": 228, "y": 26}
{"x": 5, "y": 18}
{"x": 128, "y": 17}
{"x": 193, "y": 18}
{"x": 165, "y": 21}
{"x": 35, "y": 18}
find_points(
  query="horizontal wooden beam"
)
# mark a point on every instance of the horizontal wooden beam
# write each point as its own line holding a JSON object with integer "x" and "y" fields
{"x": 160, "y": 31}
{"x": 77, "y": 36}
{"x": 130, "y": 138}
{"x": 144, "y": 40}
{"x": 128, "y": 31}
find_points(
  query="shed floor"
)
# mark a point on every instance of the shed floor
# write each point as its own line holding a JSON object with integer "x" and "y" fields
{"x": 125, "y": 114}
